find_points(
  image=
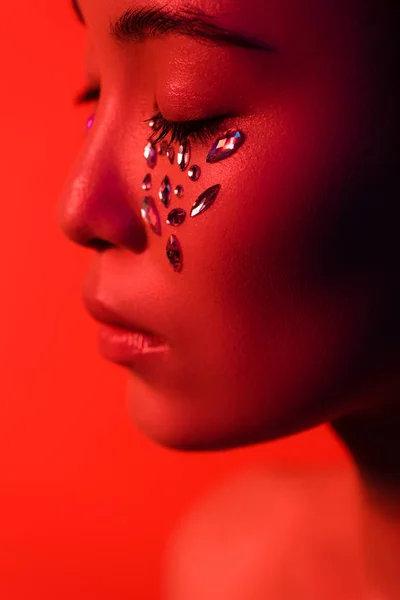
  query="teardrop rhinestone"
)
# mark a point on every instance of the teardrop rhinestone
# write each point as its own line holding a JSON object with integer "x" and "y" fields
{"x": 174, "y": 253}
{"x": 170, "y": 154}
{"x": 150, "y": 154}
{"x": 150, "y": 214}
{"x": 178, "y": 191}
{"x": 205, "y": 200}
{"x": 184, "y": 155}
{"x": 163, "y": 148}
{"x": 89, "y": 122}
{"x": 176, "y": 217}
{"x": 165, "y": 191}
{"x": 225, "y": 146}
{"x": 146, "y": 184}
{"x": 194, "y": 172}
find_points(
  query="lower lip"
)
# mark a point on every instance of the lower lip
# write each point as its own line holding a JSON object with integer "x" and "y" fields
{"x": 126, "y": 347}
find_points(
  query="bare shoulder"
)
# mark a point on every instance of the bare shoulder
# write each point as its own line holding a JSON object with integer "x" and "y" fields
{"x": 270, "y": 532}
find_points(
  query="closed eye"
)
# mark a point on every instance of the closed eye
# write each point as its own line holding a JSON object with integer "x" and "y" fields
{"x": 198, "y": 131}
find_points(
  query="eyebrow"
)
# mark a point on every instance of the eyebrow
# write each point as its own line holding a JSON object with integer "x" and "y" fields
{"x": 140, "y": 24}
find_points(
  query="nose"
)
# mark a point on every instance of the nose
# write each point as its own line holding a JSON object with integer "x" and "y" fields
{"x": 97, "y": 208}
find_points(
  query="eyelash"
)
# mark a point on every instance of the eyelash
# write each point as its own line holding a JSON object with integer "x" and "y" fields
{"x": 199, "y": 131}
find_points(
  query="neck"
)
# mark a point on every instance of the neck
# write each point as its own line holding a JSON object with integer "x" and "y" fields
{"x": 373, "y": 440}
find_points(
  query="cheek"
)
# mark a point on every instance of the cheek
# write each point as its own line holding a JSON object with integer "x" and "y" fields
{"x": 273, "y": 329}
{"x": 270, "y": 328}
{"x": 281, "y": 196}
{"x": 297, "y": 176}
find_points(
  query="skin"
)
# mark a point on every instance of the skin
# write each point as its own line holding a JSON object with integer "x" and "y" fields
{"x": 270, "y": 535}
{"x": 286, "y": 305}
{"x": 285, "y": 315}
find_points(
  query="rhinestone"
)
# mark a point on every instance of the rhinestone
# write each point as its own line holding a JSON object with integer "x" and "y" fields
{"x": 146, "y": 184}
{"x": 174, "y": 253}
{"x": 178, "y": 191}
{"x": 184, "y": 155}
{"x": 90, "y": 122}
{"x": 151, "y": 123}
{"x": 225, "y": 145}
{"x": 150, "y": 214}
{"x": 205, "y": 200}
{"x": 163, "y": 148}
{"x": 150, "y": 154}
{"x": 170, "y": 154}
{"x": 194, "y": 172}
{"x": 176, "y": 217}
{"x": 165, "y": 191}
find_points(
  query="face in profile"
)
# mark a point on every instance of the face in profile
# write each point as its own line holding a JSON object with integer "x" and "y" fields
{"x": 276, "y": 300}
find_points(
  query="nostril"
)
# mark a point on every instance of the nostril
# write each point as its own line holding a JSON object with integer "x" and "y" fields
{"x": 98, "y": 244}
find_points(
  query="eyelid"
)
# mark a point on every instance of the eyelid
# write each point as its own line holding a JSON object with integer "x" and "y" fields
{"x": 199, "y": 130}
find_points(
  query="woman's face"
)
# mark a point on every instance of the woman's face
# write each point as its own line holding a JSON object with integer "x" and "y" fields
{"x": 285, "y": 301}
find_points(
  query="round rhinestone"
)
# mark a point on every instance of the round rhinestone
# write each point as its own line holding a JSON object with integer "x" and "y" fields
{"x": 178, "y": 191}
{"x": 194, "y": 172}
{"x": 176, "y": 217}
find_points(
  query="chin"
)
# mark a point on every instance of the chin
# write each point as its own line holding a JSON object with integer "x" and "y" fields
{"x": 178, "y": 423}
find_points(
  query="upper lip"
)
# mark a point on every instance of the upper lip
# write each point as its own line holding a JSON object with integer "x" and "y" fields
{"x": 100, "y": 312}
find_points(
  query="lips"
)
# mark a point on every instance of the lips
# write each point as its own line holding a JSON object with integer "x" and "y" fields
{"x": 100, "y": 312}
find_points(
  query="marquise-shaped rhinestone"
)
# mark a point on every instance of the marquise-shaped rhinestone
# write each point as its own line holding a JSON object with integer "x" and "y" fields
{"x": 150, "y": 154}
{"x": 178, "y": 191}
{"x": 170, "y": 153}
{"x": 174, "y": 253}
{"x": 163, "y": 147}
{"x": 164, "y": 192}
{"x": 146, "y": 184}
{"x": 225, "y": 146}
{"x": 194, "y": 172}
{"x": 176, "y": 217}
{"x": 184, "y": 155}
{"x": 150, "y": 214}
{"x": 205, "y": 200}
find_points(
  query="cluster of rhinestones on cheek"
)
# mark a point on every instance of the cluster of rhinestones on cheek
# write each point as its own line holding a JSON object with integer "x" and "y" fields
{"x": 222, "y": 148}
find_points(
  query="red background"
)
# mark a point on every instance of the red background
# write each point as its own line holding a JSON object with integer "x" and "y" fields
{"x": 86, "y": 501}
